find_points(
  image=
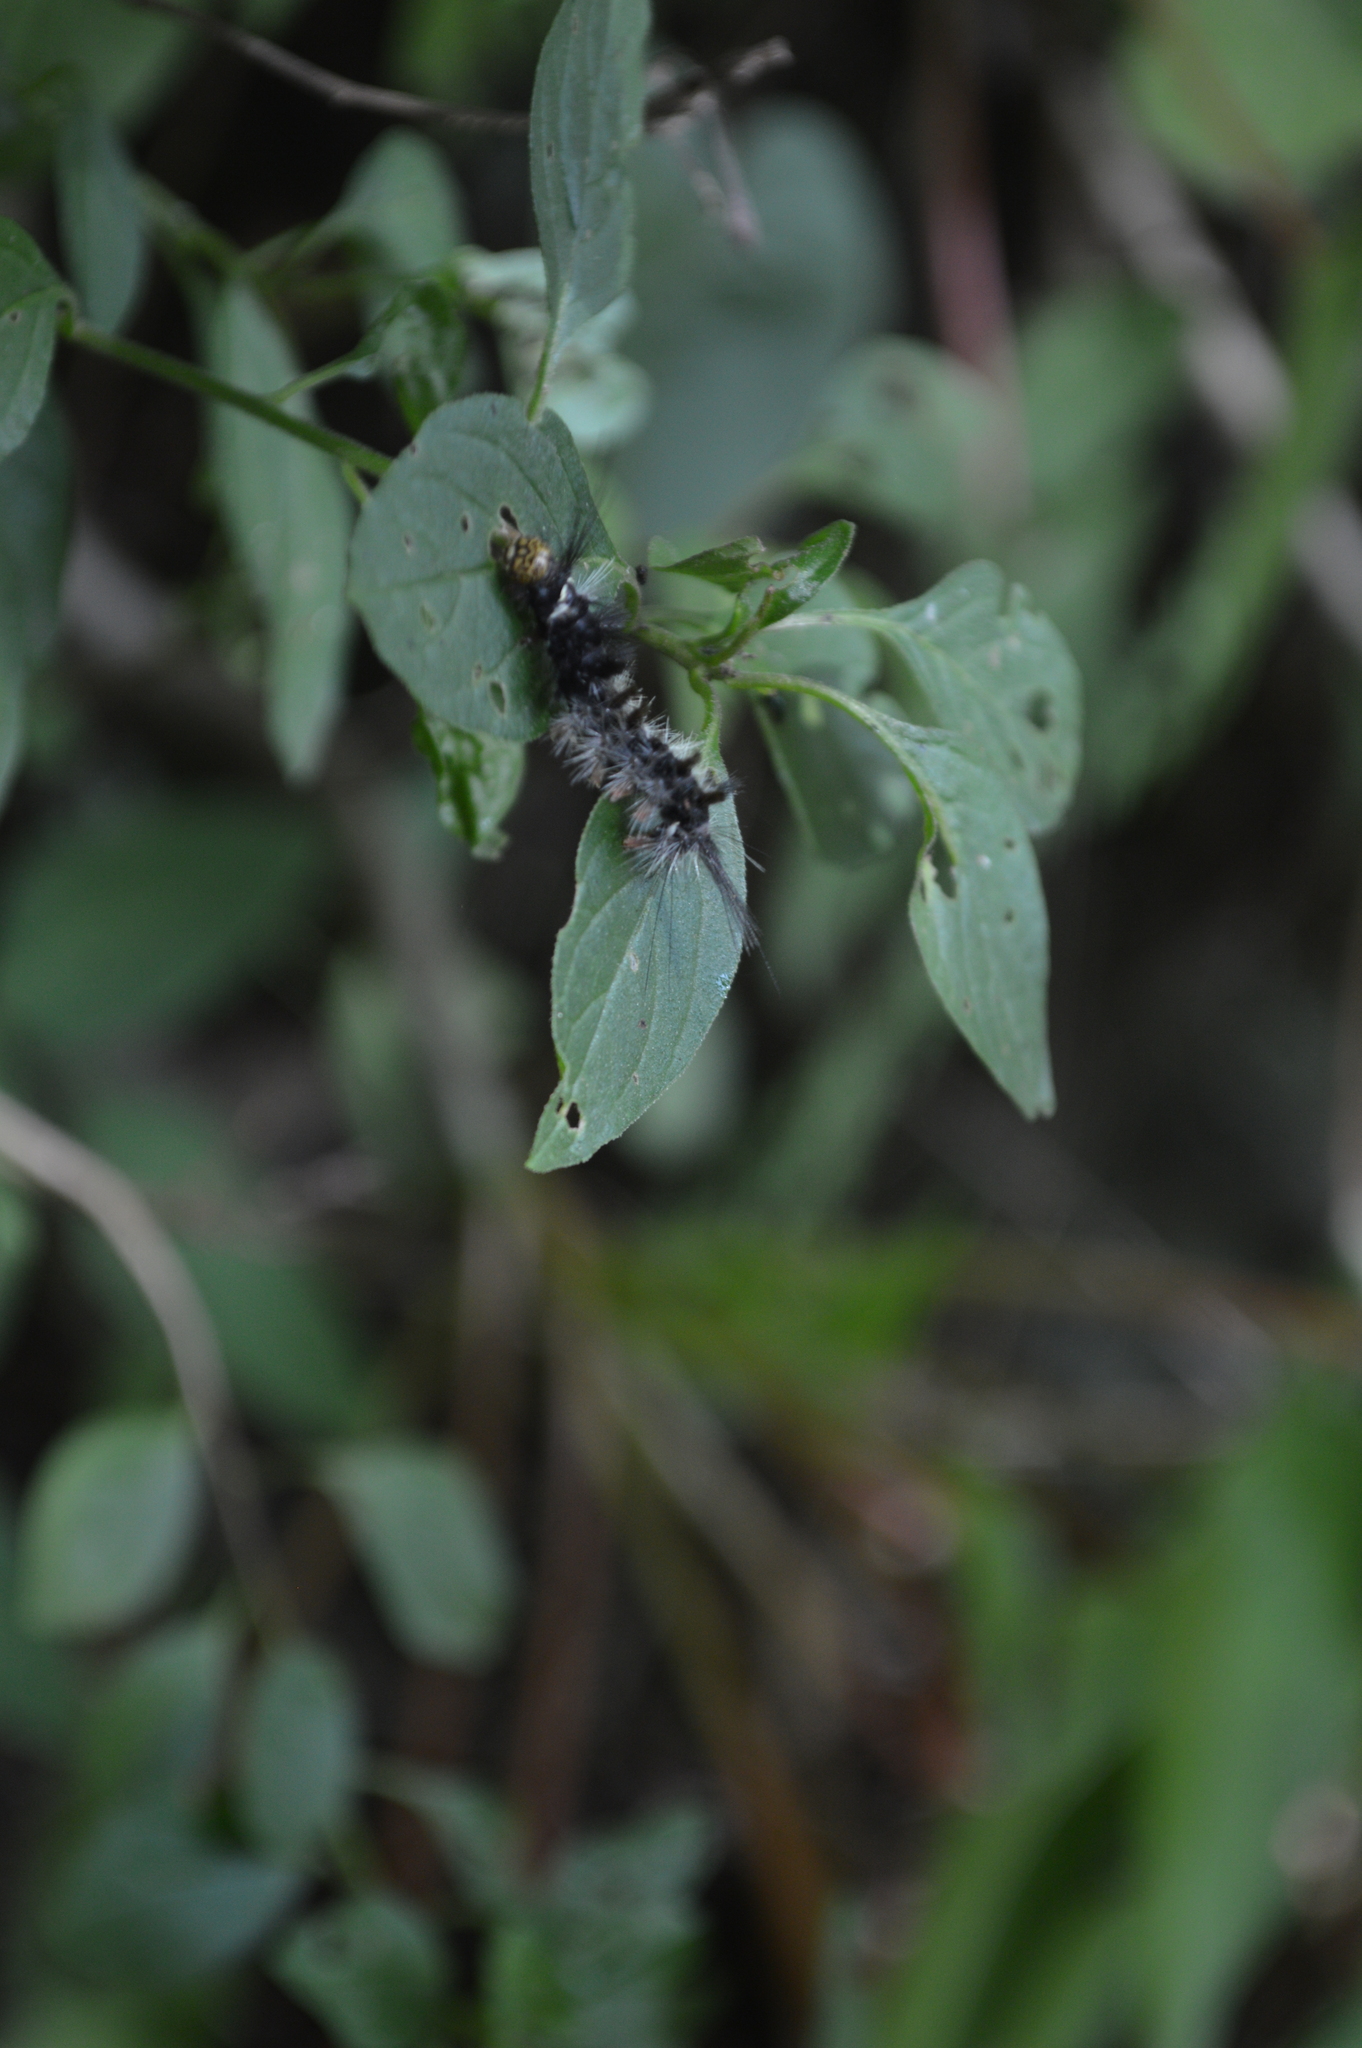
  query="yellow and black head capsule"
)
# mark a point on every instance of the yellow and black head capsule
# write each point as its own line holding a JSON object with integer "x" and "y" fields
{"x": 522, "y": 558}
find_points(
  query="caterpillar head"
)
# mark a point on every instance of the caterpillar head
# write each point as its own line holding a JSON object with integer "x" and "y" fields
{"x": 522, "y": 558}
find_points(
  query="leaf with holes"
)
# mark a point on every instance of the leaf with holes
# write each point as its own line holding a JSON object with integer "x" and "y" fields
{"x": 978, "y": 914}
{"x": 586, "y": 114}
{"x": 977, "y": 907}
{"x": 640, "y": 972}
{"x": 422, "y": 575}
{"x": 997, "y": 673}
{"x": 31, "y": 295}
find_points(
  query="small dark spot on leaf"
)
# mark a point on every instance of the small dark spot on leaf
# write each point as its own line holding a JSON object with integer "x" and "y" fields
{"x": 465, "y": 522}
{"x": 1040, "y": 711}
{"x": 497, "y": 692}
{"x": 477, "y": 671}
{"x": 548, "y": 152}
{"x": 14, "y": 316}
{"x": 1009, "y": 916}
{"x": 408, "y": 543}
{"x": 966, "y": 1005}
{"x": 428, "y": 618}
{"x": 572, "y": 1116}
{"x": 1010, "y": 845}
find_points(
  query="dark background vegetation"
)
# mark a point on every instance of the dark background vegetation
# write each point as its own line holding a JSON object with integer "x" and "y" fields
{"x": 995, "y": 1388}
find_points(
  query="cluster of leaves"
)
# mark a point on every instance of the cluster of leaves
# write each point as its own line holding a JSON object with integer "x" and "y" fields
{"x": 996, "y": 764}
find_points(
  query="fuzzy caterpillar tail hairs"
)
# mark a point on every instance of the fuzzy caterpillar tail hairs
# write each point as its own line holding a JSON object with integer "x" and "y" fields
{"x": 603, "y": 728}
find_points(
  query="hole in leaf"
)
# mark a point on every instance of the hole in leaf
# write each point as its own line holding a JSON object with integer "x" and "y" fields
{"x": 497, "y": 692}
{"x": 572, "y": 1116}
{"x": 408, "y": 543}
{"x": 428, "y": 618}
{"x": 942, "y": 866}
{"x": 1040, "y": 711}
{"x": 1010, "y": 845}
{"x": 477, "y": 671}
{"x": 465, "y": 522}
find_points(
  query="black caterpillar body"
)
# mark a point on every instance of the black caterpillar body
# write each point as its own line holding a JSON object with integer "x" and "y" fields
{"x": 604, "y": 729}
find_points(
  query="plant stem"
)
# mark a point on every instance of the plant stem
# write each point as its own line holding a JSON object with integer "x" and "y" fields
{"x": 173, "y": 370}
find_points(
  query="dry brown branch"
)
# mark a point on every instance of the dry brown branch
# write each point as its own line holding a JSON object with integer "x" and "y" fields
{"x": 53, "y": 1160}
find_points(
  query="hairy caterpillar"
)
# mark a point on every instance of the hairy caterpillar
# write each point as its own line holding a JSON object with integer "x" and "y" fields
{"x": 603, "y": 728}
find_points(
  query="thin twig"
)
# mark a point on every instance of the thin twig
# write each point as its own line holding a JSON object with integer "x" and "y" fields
{"x": 329, "y": 85}
{"x": 676, "y": 98}
{"x": 53, "y": 1160}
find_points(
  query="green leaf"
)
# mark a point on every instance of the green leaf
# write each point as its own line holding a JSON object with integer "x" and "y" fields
{"x": 292, "y": 1351}
{"x": 144, "y": 915}
{"x": 146, "y": 1900}
{"x": 401, "y": 203}
{"x": 738, "y": 341}
{"x": 58, "y": 2016}
{"x": 426, "y": 1536}
{"x": 299, "y": 1755}
{"x": 997, "y": 675}
{"x": 977, "y": 907}
{"x": 791, "y": 578}
{"x": 978, "y": 914}
{"x": 1255, "y": 1691}
{"x": 287, "y": 516}
{"x": 108, "y": 1523}
{"x": 123, "y": 59}
{"x": 152, "y": 1727}
{"x": 421, "y": 346}
{"x": 586, "y": 114}
{"x": 101, "y": 216}
{"x": 1229, "y": 86}
{"x": 640, "y": 972}
{"x": 31, "y": 295}
{"x": 852, "y": 802}
{"x": 422, "y": 575}
{"x": 35, "y": 525}
{"x": 477, "y": 779}
{"x": 372, "y": 1970}
{"x": 733, "y": 565}
{"x": 473, "y": 1829}
{"x": 908, "y": 433}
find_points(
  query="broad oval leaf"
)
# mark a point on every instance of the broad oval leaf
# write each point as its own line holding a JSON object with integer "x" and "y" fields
{"x": 35, "y": 525}
{"x": 288, "y": 520}
{"x": 299, "y": 1755}
{"x": 147, "y": 1900}
{"x": 372, "y": 1969}
{"x": 109, "y": 1523}
{"x": 401, "y": 203}
{"x": 586, "y": 113}
{"x": 422, "y": 575}
{"x": 31, "y": 294}
{"x": 101, "y": 216}
{"x": 640, "y": 972}
{"x": 426, "y": 1535}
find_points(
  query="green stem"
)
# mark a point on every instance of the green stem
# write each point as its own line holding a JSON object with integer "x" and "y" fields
{"x": 173, "y": 370}
{"x": 326, "y": 373}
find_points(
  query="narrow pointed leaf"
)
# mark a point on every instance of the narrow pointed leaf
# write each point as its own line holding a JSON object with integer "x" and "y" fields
{"x": 101, "y": 216}
{"x": 585, "y": 116}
